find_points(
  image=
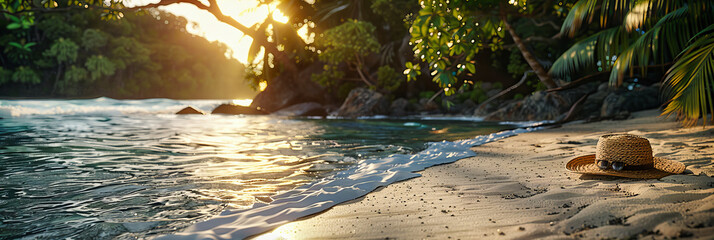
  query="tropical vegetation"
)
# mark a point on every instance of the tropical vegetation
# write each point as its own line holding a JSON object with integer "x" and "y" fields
{"x": 635, "y": 37}
{"x": 446, "y": 50}
{"x": 74, "y": 53}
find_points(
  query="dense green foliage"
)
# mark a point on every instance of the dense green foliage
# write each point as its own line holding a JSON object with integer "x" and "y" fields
{"x": 451, "y": 47}
{"x": 447, "y": 35}
{"x": 359, "y": 42}
{"x": 641, "y": 34}
{"x": 347, "y": 43}
{"x": 75, "y": 53}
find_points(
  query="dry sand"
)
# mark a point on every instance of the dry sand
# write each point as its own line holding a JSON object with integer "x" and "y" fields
{"x": 518, "y": 188}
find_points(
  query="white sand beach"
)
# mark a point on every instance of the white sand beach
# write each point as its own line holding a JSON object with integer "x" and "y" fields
{"x": 518, "y": 188}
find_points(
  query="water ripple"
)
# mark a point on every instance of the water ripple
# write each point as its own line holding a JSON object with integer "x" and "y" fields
{"x": 98, "y": 176}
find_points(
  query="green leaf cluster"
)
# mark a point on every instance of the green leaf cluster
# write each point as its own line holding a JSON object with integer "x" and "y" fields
{"x": 689, "y": 84}
{"x": 349, "y": 42}
{"x": 24, "y": 74}
{"x": 63, "y": 50}
{"x": 636, "y": 35}
{"x": 447, "y": 35}
{"x": 388, "y": 79}
{"x": 99, "y": 66}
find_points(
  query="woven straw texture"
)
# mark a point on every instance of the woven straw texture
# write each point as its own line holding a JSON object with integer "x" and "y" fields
{"x": 626, "y": 148}
{"x": 629, "y": 149}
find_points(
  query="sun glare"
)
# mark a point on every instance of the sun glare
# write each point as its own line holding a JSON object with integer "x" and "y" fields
{"x": 242, "y": 102}
{"x": 247, "y": 12}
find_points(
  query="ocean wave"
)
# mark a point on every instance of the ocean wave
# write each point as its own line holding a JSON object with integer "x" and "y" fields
{"x": 316, "y": 197}
{"x": 102, "y": 105}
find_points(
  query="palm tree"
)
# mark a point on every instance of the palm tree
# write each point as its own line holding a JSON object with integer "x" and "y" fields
{"x": 640, "y": 34}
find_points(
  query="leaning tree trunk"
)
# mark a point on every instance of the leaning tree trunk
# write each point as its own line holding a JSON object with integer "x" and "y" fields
{"x": 530, "y": 59}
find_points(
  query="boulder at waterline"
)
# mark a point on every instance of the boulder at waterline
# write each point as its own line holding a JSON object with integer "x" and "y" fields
{"x": 428, "y": 106}
{"x": 190, "y": 110}
{"x": 363, "y": 102}
{"x": 236, "y": 109}
{"x": 624, "y": 100}
{"x": 399, "y": 107}
{"x": 541, "y": 105}
{"x": 302, "y": 110}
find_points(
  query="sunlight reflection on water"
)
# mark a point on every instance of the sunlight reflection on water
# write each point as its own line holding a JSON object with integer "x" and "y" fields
{"x": 106, "y": 176}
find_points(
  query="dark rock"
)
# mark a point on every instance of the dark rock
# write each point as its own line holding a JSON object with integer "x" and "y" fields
{"x": 611, "y": 105}
{"x": 331, "y": 109}
{"x": 541, "y": 105}
{"x": 593, "y": 104}
{"x": 190, "y": 110}
{"x": 427, "y": 106}
{"x": 414, "y": 106}
{"x": 468, "y": 107}
{"x": 363, "y": 102}
{"x": 399, "y": 107}
{"x": 483, "y": 110}
{"x": 430, "y": 106}
{"x": 624, "y": 100}
{"x": 291, "y": 88}
{"x": 236, "y": 109}
{"x": 603, "y": 87}
{"x": 622, "y": 115}
{"x": 303, "y": 110}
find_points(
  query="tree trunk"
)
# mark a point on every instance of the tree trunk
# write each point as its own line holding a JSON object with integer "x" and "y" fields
{"x": 530, "y": 59}
{"x": 57, "y": 79}
{"x": 359, "y": 64}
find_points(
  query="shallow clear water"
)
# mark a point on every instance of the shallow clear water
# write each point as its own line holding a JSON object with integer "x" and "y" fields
{"x": 103, "y": 168}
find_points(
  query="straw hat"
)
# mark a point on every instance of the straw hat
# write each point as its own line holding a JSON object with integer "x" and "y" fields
{"x": 631, "y": 154}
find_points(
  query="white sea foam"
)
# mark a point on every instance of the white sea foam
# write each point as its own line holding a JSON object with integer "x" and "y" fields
{"x": 365, "y": 177}
{"x": 102, "y": 105}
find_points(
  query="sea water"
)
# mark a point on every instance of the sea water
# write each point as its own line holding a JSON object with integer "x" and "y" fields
{"x": 105, "y": 168}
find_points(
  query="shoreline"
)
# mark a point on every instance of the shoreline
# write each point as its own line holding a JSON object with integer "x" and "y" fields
{"x": 519, "y": 188}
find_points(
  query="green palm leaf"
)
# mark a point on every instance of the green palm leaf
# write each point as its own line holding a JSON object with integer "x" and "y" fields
{"x": 690, "y": 82}
{"x": 661, "y": 43}
{"x": 582, "y": 10}
{"x": 634, "y": 14}
{"x": 643, "y": 10}
{"x": 600, "y": 47}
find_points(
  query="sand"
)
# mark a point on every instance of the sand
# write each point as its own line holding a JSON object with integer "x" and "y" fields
{"x": 518, "y": 188}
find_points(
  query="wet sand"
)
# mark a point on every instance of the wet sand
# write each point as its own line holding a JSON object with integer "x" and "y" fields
{"x": 518, "y": 188}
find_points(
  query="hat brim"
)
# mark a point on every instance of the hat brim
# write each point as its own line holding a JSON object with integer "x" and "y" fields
{"x": 662, "y": 168}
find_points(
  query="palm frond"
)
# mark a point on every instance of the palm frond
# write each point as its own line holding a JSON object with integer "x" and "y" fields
{"x": 660, "y": 44}
{"x": 614, "y": 9}
{"x": 690, "y": 82}
{"x": 643, "y": 11}
{"x": 582, "y": 10}
{"x": 602, "y": 47}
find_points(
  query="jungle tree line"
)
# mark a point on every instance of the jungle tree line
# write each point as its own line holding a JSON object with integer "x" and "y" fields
{"x": 89, "y": 53}
{"x": 611, "y": 37}
{"x": 622, "y": 39}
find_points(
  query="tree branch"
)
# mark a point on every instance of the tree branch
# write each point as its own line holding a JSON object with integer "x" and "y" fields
{"x": 359, "y": 71}
{"x": 588, "y": 78}
{"x": 551, "y": 23}
{"x": 523, "y": 80}
{"x": 213, "y": 8}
